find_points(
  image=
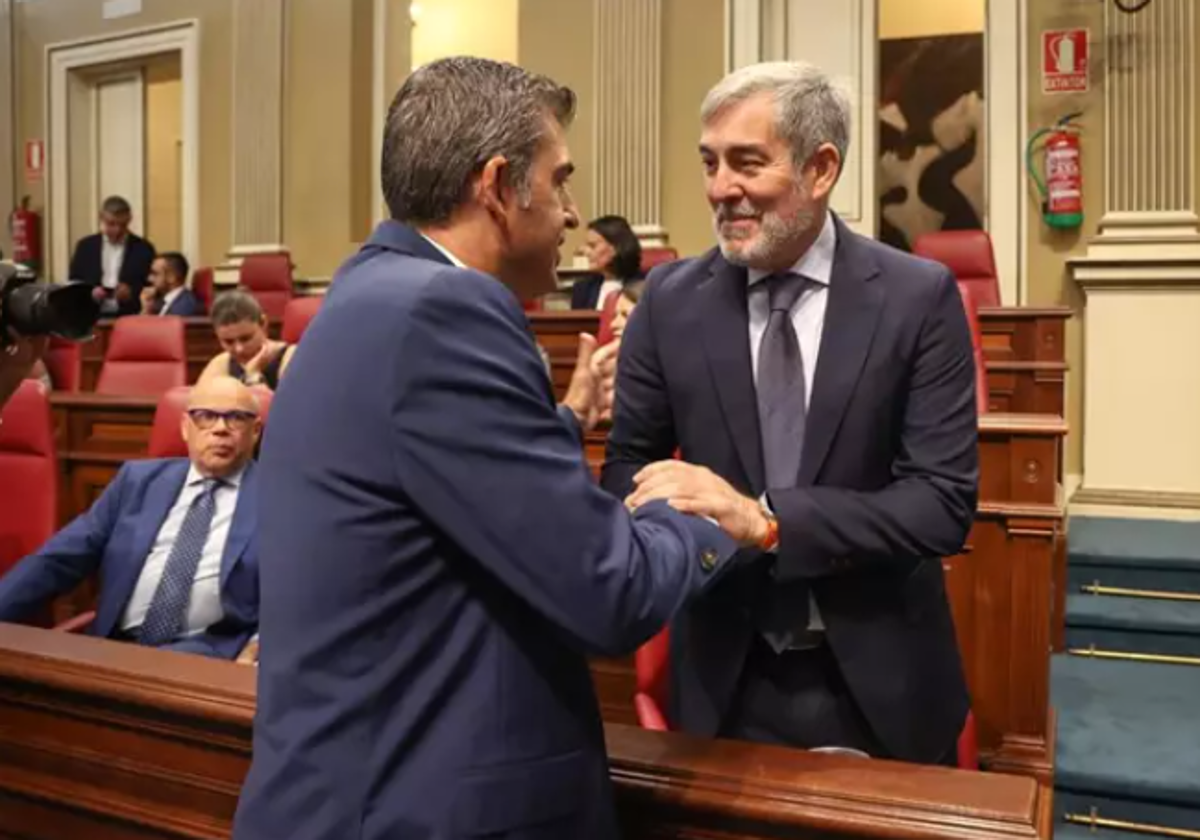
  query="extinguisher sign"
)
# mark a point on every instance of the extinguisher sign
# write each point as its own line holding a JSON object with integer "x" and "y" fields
{"x": 35, "y": 160}
{"x": 1065, "y": 61}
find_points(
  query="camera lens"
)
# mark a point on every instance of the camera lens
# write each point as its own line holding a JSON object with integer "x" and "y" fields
{"x": 66, "y": 310}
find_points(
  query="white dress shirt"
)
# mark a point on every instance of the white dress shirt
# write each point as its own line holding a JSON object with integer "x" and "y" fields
{"x": 808, "y": 319}
{"x": 112, "y": 257}
{"x": 168, "y": 299}
{"x": 205, "y": 606}
{"x": 606, "y": 289}
{"x": 445, "y": 253}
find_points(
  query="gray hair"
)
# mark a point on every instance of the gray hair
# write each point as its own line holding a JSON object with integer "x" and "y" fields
{"x": 453, "y": 115}
{"x": 114, "y": 205}
{"x": 810, "y": 108}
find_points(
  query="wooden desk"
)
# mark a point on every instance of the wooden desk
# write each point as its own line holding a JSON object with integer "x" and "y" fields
{"x": 1024, "y": 350}
{"x": 113, "y": 741}
{"x": 1005, "y": 591}
{"x": 199, "y": 337}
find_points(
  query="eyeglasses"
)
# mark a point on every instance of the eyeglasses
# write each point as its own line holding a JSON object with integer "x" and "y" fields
{"x": 236, "y": 421}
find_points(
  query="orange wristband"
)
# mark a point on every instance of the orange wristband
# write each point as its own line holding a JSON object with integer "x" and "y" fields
{"x": 771, "y": 541}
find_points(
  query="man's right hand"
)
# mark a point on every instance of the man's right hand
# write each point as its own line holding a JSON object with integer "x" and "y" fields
{"x": 99, "y": 294}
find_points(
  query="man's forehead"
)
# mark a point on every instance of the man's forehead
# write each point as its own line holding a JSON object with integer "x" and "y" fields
{"x": 746, "y": 123}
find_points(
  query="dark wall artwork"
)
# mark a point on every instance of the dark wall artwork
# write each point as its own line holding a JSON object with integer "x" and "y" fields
{"x": 931, "y": 136}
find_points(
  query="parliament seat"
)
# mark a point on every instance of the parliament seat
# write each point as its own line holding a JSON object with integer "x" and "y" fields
{"x": 202, "y": 287}
{"x": 651, "y": 663}
{"x": 146, "y": 356}
{"x": 64, "y": 361}
{"x": 166, "y": 437}
{"x": 657, "y": 256}
{"x": 968, "y": 254}
{"x": 269, "y": 278}
{"x": 29, "y": 466}
{"x": 608, "y": 312}
{"x": 296, "y": 315}
{"x": 982, "y": 395}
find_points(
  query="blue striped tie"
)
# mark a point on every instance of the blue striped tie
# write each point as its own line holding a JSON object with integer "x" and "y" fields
{"x": 169, "y": 607}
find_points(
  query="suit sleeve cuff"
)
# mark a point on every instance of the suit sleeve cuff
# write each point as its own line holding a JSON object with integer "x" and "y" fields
{"x": 568, "y": 417}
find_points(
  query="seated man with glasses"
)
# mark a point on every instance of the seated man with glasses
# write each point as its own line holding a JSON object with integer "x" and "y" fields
{"x": 171, "y": 541}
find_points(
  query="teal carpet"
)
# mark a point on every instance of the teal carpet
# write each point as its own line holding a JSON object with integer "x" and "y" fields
{"x": 1129, "y": 731}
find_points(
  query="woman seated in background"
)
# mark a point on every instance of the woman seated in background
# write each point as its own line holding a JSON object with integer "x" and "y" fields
{"x": 626, "y": 301}
{"x": 614, "y": 253}
{"x": 249, "y": 356}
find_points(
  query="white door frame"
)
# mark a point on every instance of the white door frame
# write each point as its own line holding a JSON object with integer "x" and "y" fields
{"x": 1005, "y": 101}
{"x": 182, "y": 37}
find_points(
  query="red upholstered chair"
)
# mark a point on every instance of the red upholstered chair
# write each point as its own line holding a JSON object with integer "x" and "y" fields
{"x": 146, "y": 356}
{"x": 604, "y": 333}
{"x": 967, "y": 253}
{"x": 64, "y": 361}
{"x": 166, "y": 441}
{"x": 982, "y": 395}
{"x": 296, "y": 315}
{"x": 202, "y": 286}
{"x": 652, "y": 660}
{"x": 269, "y": 278}
{"x": 657, "y": 256}
{"x": 28, "y": 474}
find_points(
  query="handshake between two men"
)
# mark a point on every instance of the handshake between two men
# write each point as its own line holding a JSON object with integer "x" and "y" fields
{"x": 686, "y": 487}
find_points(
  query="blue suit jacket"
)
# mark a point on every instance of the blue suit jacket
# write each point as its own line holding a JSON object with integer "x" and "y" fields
{"x": 186, "y": 305}
{"x": 437, "y": 563}
{"x": 114, "y": 538}
{"x": 887, "y": 484}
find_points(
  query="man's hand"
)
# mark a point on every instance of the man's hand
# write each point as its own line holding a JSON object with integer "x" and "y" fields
{"x": 249, "y": 654}
{"x": 149, "y": 298}
{"x": 590, "y": 393}
{"x": 99, "y": 294}
{"x": 124, "y": 292}
{"x": 698, "y": 490}
{"x": 16, "y": 361}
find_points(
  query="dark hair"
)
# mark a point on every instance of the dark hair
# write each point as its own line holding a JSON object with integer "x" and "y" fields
{"x": 632, "y": 292}
{"x": 234, "y": 307}
{"x": 452, "y": 116}
{"x": 114, "y": 205}
{"x": 627, "y": 259}
{"x": 178, "y": 264}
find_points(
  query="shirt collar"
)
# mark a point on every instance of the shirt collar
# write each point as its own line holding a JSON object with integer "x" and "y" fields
{"x": 232, "y": 480}
{"x": 445, "y": 253}
{"x": 817, "y": 262}
{"x": 169, "y": 298}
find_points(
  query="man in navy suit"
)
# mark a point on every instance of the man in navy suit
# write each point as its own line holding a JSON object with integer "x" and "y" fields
{"x": 437, "y": 560}
{"x": 172, "y": 540}
{"x": 825, "y": 382}
{"x": 115, "y": 260}
{"x": 168, "y": 293}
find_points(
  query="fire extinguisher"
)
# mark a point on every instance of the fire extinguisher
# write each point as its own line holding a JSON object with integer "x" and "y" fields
{"x": 1062, "y": 189}
{"x": 25, "y": 227}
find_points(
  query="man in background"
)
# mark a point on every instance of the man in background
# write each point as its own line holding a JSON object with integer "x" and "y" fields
{"x": 168, "y": 293}
{"x": 115, "y": 260}
{"x": 825, "y": 383}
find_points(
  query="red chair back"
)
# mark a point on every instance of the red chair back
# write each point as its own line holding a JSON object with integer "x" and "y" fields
{"x": 146, "y": 356}
{"x": 967, "y": 253}
{"x": 604, "y": 333}
{"x": 202, "y": 287}
{"x": 657, "y": 256}
{"x": 29, "y": 466}
{"x": 64, "y": 361}
{"x": 296, "y": 315}
{"x": 982, "y": 394}
{"x": 166, "y": 437}
{"x": 269, "y": 278}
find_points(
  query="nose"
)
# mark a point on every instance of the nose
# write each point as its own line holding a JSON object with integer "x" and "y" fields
{"x": 723, "y": 185}
{"x": 571, "y": 212}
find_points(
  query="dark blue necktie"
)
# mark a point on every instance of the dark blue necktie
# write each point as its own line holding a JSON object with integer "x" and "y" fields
{"x": 782, "y": 412}
{"x": 169, "y": 607}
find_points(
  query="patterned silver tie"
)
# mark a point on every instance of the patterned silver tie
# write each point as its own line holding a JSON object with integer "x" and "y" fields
{"x": 169, "y": 606}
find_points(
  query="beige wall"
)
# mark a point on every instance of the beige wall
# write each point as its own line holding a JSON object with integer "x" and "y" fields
{"x": 164, "y": 146}
{"x": 46, "y": 22}
{"x": 922, "y": 18}
{"x": 484, "y": 28}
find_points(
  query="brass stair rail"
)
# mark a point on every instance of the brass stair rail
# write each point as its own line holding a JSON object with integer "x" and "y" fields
{"x": 1094, "y": 820}
{"x": 1159, "y": 594}
{"x": 1091, "y": 651}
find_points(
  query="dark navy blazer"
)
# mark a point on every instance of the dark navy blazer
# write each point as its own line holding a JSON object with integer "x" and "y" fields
{"x": 438, "y": 562}
{"x": 114, "y": 538}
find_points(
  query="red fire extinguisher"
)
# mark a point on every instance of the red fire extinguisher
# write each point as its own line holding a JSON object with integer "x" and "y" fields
{"x": 1062, "y": 189}
{"x": 26, "y": 229}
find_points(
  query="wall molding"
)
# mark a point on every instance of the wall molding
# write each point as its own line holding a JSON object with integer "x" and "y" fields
{"x": 1136, "y": 498}
{"x": 66, "y": 56}
{"x": 11, "y": 154}
{"x": 1006, "y": 121}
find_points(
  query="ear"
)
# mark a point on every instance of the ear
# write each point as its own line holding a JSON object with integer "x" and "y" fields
{"x": 183, "y": 427}
{"x": 493, "y": 187}
{"x": 826, "y": 164}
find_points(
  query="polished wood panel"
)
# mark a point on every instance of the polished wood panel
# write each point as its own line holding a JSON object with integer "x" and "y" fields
{"x": 1002, "y": 592}
{"x": 112, "y": 741}
{"x": 558, "y": 334}
{"x": 1024, "y": 351}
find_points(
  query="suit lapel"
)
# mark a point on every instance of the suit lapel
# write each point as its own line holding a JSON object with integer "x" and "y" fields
{"x": 725, "y": 326}
{"x": 160, "y": 495}
{"x": 851, "y": 315}
{"x": 242, "y": 526}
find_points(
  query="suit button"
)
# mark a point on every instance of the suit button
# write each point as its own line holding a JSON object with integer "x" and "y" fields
{"x": 708, "y": 559}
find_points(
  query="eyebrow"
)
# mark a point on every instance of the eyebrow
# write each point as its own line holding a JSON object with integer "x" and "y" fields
{"x": 737, "y": 149}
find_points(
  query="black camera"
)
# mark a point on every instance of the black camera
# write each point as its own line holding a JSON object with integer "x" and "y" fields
{"x": 29, "y": 308}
